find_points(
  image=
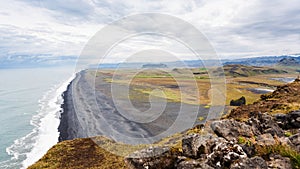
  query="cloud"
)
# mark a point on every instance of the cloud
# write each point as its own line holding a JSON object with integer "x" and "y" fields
{"x": 235, "y": 28}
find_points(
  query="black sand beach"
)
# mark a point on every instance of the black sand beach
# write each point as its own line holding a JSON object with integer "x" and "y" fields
{"x": 89, "y": 110}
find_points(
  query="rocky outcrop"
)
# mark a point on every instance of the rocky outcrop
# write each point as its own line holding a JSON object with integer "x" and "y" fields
{"x": 194, "y": 145}
{"x": 191, "y": 163}
{"x": 295, "y": 140}
{"x": 262, "y": 123}
{"x": 257, "y": 143}
{"x": 250, "y": 163}
{"x": 152, "y": 158}
{"x": 225, "y": 154}
{"x": 231, "y": 129}
{"x": 279, "y": 162}
{"x": 288, "y": 121}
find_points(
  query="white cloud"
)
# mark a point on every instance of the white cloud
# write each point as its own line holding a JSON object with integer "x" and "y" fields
{"x": 235, "y": 28}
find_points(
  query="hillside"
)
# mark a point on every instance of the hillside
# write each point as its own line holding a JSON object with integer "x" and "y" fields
{"x": 262, "y": 61}
{"x": 283, "y": 100}
{"x": 78, "y": 154}
{"x": 246, "y": 71}
{"x": 288, "y": 62}
{"x": 251, "y": 136}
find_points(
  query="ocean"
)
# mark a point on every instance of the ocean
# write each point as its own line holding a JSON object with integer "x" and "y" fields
{"x": 30, "y": 106}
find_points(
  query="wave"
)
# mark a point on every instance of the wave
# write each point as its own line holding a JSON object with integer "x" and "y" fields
{"x": 27, "y": 150}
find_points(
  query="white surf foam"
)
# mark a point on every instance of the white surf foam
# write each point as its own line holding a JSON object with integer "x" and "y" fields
{"x": 47, "y": 122}
{"x": 45, "y": 133}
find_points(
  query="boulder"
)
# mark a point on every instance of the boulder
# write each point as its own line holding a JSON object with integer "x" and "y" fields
{"x": 279, "y": 162}
{"x": 263, "y": 123}
{"x": 231, "y": 129}
{"x": 194, "y": 145}
{"x": 249, "y": 149}
{"x": 288, "y": 121}
{"x": 250, "y": 163}
{"x": 225, "y": 154}
{"x": 152, "y": 158}
{"x": 265, "y": 140}
{"x": 238, "y": 102}
{"x": 295, "y": 139}
{"x": 191, "y": 164}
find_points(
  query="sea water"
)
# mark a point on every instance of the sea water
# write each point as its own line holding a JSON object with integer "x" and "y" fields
{"x": 30, "y": 106}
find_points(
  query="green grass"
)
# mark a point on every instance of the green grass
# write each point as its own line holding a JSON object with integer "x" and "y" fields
{"x": 282, "y": 150}
{"x": 152, "y": 76}
{"x": 288, "y": 134}
{"x": 77, "y": 154}
{"x": 241, "y": 140}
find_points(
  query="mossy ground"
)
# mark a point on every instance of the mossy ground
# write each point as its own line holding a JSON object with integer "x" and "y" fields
{"x": 284, "y": 100}
{"x": 79, "y": 153}
{"x": 193, "y": 86}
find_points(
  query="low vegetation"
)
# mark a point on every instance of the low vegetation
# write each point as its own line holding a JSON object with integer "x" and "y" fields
{"x": 246, "y": 71}
{"x": 283, "y": 150}
{"x": 284, "y": 100}
{"x": 78, "y": 154}
{"x": 86, "y": 152}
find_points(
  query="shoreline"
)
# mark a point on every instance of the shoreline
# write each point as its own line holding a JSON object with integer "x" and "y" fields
{"x": 67, "y": 127}
{"x": 46, "y": 128}
{"x": 89, "y": 111}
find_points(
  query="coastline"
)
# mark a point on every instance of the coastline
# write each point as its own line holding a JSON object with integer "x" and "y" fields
{"x": 89, "y": 110}
{"x": 83, "y": 116}
{"x": 46, "y": 127}
{"x": 68, "y": 127}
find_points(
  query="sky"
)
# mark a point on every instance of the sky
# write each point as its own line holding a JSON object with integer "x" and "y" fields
{"x": 56, "y": 30}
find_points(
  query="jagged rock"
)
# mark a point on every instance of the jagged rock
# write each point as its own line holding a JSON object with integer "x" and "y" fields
{"x": 279, "y": 162}
{"x": 231, "y": 129}
{"x": 225, "y": 154}
{"x": 181, "y": 158}
{"x": 265, "y": 140}
{"x": 152, "y": 158}
{"x": 295, "y": 139}
{"x": 250, "y": 163}
{"x": 249, "y": 149}
{"x": 195, "y": 144}
{"x": 193, "y": 164}
{"x": 288, "y": 121}
{"x": 263, "y": 123}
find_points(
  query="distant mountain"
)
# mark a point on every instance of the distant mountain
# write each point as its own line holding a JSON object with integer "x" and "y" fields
{"x": 255, "y": 61}
{"x": 262, "y": 61}
{"x": 246, "y": 71}
{"x": 289, "y": 61}
{"x": 160, "y": 65}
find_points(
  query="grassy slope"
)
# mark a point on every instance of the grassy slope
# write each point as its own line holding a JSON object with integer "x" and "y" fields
{"x": 96, "y": 152}
{"x": 284, "y": 99}
{"x": 239, "y": 78}
{"x": 79, "y": 153}
{"x": 84, "y": 153}
{"x": 246, "y": 71}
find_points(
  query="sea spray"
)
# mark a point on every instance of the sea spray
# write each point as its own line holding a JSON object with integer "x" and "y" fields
{"x": 46, "y": 123}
